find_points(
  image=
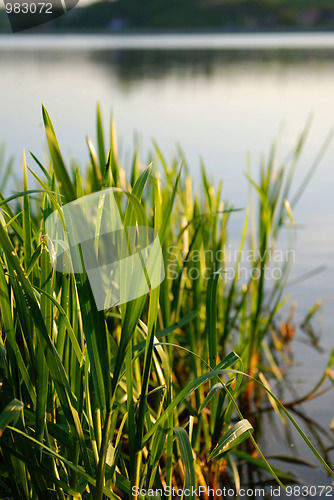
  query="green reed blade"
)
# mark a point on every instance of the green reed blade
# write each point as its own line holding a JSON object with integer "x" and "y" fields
{"x": 188, "y": 461}
{"x": 100, "y": 138}
{"x": 235, "y": 435}
{"x": 9, "y": 413}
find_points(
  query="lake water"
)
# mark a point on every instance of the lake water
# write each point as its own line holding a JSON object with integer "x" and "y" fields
{"x": 220, "y": 97}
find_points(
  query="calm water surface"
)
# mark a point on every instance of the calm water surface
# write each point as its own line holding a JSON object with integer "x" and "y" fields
{"x": 220, "y": 98}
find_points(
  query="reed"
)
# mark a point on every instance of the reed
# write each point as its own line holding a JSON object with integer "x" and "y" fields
{"x": 158, "y": 392}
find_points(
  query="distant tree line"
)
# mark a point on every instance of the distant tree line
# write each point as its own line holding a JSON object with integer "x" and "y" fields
{"x": 225, "y": 15}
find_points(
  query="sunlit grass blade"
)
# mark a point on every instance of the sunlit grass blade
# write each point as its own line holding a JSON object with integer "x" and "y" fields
{"x": 236, "y": 435}
{"x": 63, "y": 177}
{"x": 100, "y": 138}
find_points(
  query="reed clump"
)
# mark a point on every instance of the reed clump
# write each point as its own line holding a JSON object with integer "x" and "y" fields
{"x": 160, "y": 391}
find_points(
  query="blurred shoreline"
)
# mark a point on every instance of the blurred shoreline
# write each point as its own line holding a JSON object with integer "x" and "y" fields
{"x": 171, "y": 40}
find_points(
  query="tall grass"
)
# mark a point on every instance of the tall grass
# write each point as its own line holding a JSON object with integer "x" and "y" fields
{"x": 154, "y": 393}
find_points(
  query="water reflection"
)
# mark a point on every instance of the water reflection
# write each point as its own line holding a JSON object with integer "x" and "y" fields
{"x": 136, "y": 64}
